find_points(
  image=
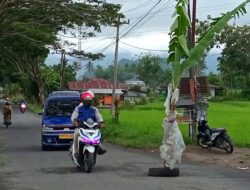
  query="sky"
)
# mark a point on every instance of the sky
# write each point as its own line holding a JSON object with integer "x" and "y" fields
{"x": 151, "y": 34}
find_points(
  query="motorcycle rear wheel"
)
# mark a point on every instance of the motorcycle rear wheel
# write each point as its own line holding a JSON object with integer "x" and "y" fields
{"x": 200, "y": 141}
{"x": 7, "y": 123}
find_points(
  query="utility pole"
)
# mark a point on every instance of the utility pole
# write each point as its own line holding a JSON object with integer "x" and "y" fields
{"x": 193, "y": 23}
{"x": 192, "y": 83}
{"x": 189, "y": 29}
{"x": 79, "y": 64}
{"x": 116, "y": 65}
{"x": 79, "y": 38}
{"x": 63, "y": 62}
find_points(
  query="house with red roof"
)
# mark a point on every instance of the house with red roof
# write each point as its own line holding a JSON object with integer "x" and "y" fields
{"x": 100, "y": 87}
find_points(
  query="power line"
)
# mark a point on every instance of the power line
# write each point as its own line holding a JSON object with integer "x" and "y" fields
{"x": 142, "y": 48}
{"x": 156, "y": 12}
{"x": 138, "y": 22}
{"x": 120, "y": 1}
{"x": 132, "y": 27}
{"x": 199, "y": 9}
{"x": 140, "y": 6}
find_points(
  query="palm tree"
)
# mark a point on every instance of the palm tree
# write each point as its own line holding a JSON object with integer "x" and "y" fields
{"x": 89, "y": 67}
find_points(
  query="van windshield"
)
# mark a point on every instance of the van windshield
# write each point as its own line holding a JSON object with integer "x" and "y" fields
{"x": 63, "y": 107}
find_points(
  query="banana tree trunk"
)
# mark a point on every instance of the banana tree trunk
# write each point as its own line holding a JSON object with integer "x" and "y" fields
{"x": 172, "y": 143}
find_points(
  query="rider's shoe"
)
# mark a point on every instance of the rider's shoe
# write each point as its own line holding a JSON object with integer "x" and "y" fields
{"x": 76, "y": 155}
{"x": 101, "y": 150}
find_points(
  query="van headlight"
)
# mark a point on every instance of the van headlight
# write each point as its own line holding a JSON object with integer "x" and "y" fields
{"x": 46, "y": 128}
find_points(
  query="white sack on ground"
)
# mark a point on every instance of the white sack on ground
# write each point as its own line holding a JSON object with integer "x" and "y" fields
{"x": 172, "y": 144}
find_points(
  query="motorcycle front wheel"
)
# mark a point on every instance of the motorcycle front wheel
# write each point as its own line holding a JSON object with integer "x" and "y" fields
{"x": 89, "y": 162}
{"x": 228, "y": 146}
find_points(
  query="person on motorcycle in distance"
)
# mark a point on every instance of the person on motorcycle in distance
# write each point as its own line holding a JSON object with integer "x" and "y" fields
{"x": 84, "y": 111}
{"x": 7, "y": 111}
{"x": 23, "y": 101}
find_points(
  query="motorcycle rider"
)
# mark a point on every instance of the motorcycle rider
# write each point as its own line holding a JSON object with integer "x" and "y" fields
{"x": 7, "y": 111}
{"x": 82, "y": 112}
{"x": 23, "y": 102}
{"x": 22, "y": 105}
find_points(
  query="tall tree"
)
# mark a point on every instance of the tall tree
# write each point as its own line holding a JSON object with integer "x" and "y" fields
{"x": 214, "y": 78}
{"x": 35, "y": 24}
{"x": 69, "y": 73}
{"x": 182, "y": 59}
{"x": 51, "y": 79}
{"x": 235, "y": 57}
{"x": 147, "y": 68}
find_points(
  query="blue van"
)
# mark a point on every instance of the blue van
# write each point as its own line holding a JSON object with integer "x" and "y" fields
{"x": 57, "y": 129}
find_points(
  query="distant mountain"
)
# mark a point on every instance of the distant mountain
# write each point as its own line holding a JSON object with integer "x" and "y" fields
{"x": 212, "y": 64}
{"x": 128, "y": 58}
{"x": 124, "y": 61}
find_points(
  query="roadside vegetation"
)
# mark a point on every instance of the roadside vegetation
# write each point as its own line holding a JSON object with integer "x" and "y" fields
{"x": 35, "y": 108}
{"x": 141, "y": 126}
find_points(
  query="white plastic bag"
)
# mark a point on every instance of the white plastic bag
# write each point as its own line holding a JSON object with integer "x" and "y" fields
{"x": 172, "y": 143}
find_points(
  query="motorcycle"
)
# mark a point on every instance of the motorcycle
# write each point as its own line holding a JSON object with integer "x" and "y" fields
{"x": 7, "y": 121}
{"x": 213, "y": 137}
{"x": 23, "y": 107}
{"x": 88, "y": 145}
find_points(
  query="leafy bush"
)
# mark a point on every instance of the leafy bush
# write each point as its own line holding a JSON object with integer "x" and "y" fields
{"x": 151, "y": 99}
{"x": 126, "y": 104}
{"x": 245, "y": 94}
{"x": 229, "y": 98}
{"x": 143, "y": 101}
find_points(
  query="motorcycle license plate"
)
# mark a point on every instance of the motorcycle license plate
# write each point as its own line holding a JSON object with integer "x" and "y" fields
{"x": 66, "y": 136}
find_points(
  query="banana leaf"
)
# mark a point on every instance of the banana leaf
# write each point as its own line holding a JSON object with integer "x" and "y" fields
{"x": 198, "y": 50}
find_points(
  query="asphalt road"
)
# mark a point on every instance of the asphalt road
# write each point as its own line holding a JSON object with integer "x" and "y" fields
{"x": 29, "y": 168}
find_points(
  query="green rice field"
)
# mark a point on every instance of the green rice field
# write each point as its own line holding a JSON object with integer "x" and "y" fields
{"x": 141, "y": 127}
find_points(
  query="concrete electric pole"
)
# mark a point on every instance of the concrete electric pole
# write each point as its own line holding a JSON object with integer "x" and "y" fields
{"x": 116, "y": 65}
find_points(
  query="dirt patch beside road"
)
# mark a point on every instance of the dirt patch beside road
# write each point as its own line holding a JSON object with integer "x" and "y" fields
{"x": 239, "y": 159}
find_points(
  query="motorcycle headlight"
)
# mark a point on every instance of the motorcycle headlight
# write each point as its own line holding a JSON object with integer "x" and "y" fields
{"x": 46, "y": 128}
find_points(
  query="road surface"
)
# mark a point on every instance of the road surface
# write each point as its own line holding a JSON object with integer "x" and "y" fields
{"x": 28, "y": 168}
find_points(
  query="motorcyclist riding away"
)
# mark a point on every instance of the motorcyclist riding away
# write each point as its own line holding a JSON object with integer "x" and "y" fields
{"x": 81, "y": 113}
{"x": 7, "y": 111}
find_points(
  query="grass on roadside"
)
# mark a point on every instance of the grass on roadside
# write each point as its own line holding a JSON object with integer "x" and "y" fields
{"x": 142, "y": 127}
{"x": 234, "y": 116}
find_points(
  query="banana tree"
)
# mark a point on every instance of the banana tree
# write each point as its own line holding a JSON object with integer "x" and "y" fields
{"x": 182, "y": 58}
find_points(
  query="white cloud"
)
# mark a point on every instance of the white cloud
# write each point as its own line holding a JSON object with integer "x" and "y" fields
{"x": 153, "y": 34}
